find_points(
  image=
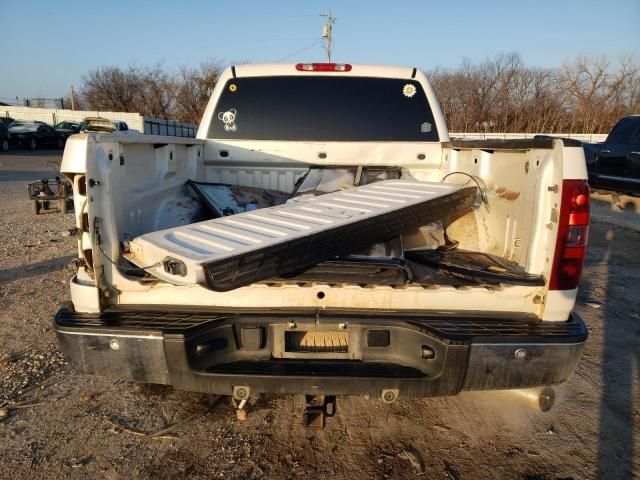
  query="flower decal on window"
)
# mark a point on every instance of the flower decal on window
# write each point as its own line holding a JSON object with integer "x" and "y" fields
{"x": 409, "y": 90}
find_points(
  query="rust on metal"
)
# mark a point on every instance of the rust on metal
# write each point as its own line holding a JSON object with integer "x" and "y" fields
{"x": 504, "y": 192}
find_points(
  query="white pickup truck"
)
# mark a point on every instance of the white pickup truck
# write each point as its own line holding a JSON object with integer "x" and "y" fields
{"x": 477, "y": 300}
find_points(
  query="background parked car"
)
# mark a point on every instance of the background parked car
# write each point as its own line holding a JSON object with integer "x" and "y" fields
{"x": 4, "y": 137}
{"x": 33, "y": 135}
{"x": 123, "y": 128}
{"x": 66, "y": 129}
{"x": 6, "y": 121}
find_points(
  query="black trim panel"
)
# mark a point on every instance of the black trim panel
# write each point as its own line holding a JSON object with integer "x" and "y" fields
{"x": 293, "y": 256}
{"x": 513, "y": 144}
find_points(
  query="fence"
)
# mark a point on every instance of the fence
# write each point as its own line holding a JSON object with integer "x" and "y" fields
{"x": 170, "y": 128}
{"x": 56, "y": 115}
{"x": 147, "y": 125}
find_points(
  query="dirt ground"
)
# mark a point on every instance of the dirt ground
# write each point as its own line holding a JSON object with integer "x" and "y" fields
{"x": 61, "y": 424}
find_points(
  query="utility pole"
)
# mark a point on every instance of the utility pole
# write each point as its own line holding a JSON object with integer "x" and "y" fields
{"x": 326, "y": 32}
{"x": 73, "y": 102}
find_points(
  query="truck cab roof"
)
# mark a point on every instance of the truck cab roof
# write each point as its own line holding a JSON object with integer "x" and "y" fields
{"x": 362, "y": 70}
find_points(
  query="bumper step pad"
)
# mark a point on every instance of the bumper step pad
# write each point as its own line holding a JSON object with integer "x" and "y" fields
{"x": 448, "y": 328}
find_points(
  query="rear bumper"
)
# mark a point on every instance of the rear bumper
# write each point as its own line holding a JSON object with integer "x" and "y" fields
{"x": 417, "y": 355}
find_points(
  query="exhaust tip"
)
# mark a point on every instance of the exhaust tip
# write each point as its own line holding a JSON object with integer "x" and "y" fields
{"x": 546, "y": 399}
{"x": 540, "y": 398}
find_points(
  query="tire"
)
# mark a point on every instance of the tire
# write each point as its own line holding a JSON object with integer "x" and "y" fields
{"x": 33, "y": 143}
{"x": 4, "y": 145}
{"x": 63, "y": 206}
{"x": 35, "y": 207}
{"x": 60, "y": 143}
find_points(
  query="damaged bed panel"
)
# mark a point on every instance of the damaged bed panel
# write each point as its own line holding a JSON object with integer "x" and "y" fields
{"x": 347, "y": 271}
{"x": 233, "y": 251}
{"x": 222, "y": 199}
{"x": 461, "y": 267}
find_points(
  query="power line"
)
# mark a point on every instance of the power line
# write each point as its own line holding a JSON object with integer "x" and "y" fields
{"x": 327, "y": 37}
{"x": 299, "y": 51}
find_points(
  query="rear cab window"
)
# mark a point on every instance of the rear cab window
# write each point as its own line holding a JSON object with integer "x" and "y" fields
{"x": 323, "y": 108}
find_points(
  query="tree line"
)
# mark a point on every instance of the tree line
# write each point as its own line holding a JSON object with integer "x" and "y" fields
{"x": 152, "y": 91}
{"x": 499, "y": 94}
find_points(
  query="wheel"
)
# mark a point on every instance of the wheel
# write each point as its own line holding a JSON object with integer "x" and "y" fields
{"x": 35, "y": 207}
{"x": 33, "y": 144}
{"x": 4, "y": 146}
{"x": 63, "y": 206}
{"x": 60, "y": 143}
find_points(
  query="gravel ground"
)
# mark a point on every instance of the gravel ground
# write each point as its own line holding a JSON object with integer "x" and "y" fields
{"x": 57, "y": 423}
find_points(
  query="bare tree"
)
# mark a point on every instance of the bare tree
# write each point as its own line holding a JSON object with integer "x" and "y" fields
{"x": 501, "y": 94}
{"x": 194, "y": 87}
{"x": 601, "y": 91}
{"x": 586, "y": 95}
{"x": 151, "y": 91}
{"x": 157, "y": 92}
{"x": 111, "y": 88}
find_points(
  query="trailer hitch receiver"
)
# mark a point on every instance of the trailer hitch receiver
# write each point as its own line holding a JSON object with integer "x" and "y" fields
{"x": 315, "y": 409}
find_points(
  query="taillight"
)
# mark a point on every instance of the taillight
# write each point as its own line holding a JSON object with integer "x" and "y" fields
{"x": 323, "y": 67}
{"x": 573, "y": 231}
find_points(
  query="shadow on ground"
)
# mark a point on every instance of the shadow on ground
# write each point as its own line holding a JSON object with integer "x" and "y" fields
{"x": 618, "y": 421}
{"x": 39, "y": 268}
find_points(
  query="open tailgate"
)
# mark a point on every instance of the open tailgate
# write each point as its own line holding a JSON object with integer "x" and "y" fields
{"x": 237, "y": 250}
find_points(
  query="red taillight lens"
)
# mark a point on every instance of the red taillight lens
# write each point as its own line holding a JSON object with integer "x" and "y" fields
{"x": 573, "y": 232}
{"x": 323, "y": 67}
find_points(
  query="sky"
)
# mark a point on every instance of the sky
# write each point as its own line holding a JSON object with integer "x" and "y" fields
{"x": 49, "y": 45}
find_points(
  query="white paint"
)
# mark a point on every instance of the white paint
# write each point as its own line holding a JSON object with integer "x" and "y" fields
{"x": 85, "y": 298}
{"x": 558, "y": 303}
{"x": 344, "y": 298}
{"x": 132, "y": 199}
{"x": 573, "y": 164}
